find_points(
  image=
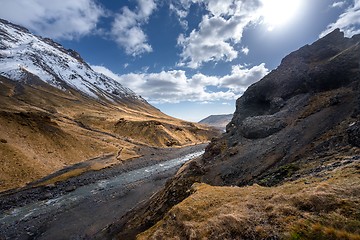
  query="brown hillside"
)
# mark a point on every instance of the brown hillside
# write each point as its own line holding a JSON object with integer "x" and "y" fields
{"x": 43, "y": 129}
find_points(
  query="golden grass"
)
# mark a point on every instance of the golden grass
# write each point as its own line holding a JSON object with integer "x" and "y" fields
{"x": 15, "y": 168}
{"x": 74, "y": 173}
{"x": 45, "y": 130}
{"x": 323, "y": 209}
{"x": 63, "y": 177}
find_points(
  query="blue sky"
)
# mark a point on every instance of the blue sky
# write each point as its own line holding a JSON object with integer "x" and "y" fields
{"x": 189, "y": 58}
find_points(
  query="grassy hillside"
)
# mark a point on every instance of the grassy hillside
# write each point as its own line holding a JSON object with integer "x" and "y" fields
{"x": 43, "y": 129}
{"x": 322, "y": 206}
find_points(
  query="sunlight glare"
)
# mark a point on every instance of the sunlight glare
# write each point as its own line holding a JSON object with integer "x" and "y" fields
{"x": 277, "y": 13}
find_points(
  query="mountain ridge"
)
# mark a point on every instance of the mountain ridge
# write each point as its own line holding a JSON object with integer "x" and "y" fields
{"x": 24, "y": 54}
{"x": 218, "y": 121}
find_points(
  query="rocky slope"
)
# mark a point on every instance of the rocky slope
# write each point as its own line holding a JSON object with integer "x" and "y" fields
{"x": 55, "y": 111}
{"x": 290, "y": 154}
{"x": 218, "y": 121}
{"x": 302, "y": 110}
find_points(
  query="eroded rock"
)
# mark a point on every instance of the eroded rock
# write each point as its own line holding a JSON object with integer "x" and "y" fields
{"x": 261, "y": 126}
{"x": 354, "y": 134}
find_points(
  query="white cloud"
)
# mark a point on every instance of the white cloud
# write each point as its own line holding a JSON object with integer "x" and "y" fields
{"x": 219, "y": 32}
{"x": 241, "y": 78}
{"x": 181, "y": 12}
{"x": 245, "y": 50}
{"x": 127, "y": 31}
{"x": 171, "y": 86}
{"x": 348, "y": 22}
{"x": 338, "y": 4}
{"x": 221, "y": 7}
{"x": 174, "y": 86}
{"x": 146, "y": 8}
{"x": 65, "y": 19}
{"x": 105, "y": 71}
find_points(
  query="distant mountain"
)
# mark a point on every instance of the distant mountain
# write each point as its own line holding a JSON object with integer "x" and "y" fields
{"x": 218, "y": 121}
{"x": 55, "y": 111}
{"x": 287, "y": 166}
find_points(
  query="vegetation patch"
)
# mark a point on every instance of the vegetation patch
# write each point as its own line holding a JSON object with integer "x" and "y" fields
{"x": 279, "y": 175}
{"x": 295, "y": 210}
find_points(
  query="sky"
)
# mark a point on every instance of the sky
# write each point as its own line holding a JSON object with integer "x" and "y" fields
{"x": 189, "y": 58}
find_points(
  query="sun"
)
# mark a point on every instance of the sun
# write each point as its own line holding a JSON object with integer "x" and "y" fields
{"x": 278, "y": 13}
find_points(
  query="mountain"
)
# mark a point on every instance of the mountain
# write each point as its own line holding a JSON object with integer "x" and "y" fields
{"x": 25, "y": 56}
{"x": 218, "y": 121}
{"x": 287, "y": 166}
{"x": 55, "y": 111}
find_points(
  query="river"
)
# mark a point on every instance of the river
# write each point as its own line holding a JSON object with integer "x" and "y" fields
{"x": 89, "y": 208}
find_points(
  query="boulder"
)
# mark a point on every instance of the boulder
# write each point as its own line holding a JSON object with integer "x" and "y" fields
{"x": 261, "y": 126}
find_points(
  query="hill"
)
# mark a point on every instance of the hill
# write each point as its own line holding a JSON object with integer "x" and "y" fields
{"x": 218, "y": 121}
{"x": 55, "y": 111}
{"x": 287, "y": 166}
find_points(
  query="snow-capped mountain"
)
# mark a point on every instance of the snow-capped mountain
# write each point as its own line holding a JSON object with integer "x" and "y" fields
{"x": 23, "y": 54}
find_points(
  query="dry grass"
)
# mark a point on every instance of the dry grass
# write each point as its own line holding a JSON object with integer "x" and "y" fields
{"x": 323, "y": 209}
{"x": 45, "y": 130}
{"x": 35, "y": 149}
{"x": 74, "y": 172}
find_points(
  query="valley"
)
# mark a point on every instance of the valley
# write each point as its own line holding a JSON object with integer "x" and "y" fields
{"x": 77, "y": 149}
{"x": 82, "y": 206}
{"x": 83, "y": 157}
{"x": 55, "y": 111}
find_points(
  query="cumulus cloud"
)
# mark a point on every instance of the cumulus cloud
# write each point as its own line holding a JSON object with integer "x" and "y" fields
{"x": 348, "y": 22}
{"x": 219, "y": 32}
{"x": 241, "y": 77}
{"x": 175, "y": 86}
{"x": 65, "y": 19}
{"x": 126, "y": 28}
{"x": 168, "y": 86}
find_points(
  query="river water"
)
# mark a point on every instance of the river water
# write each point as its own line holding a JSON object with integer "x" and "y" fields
{"x": 70, "y": 200}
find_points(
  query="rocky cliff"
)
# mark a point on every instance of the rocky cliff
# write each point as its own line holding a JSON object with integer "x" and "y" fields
{"x": 290, "y": 156}
{"x": 302, "y": 110}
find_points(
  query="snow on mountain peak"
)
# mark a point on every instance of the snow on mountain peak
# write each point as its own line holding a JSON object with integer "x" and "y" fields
{"x": 22, "y": 53}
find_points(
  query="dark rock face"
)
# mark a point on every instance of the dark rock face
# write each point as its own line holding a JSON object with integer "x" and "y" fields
{"x": 261, "y": 126}
{"x": 301, "y": 109}
{"x": 354, "y": 134}
{"x": 327, "y": 64}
